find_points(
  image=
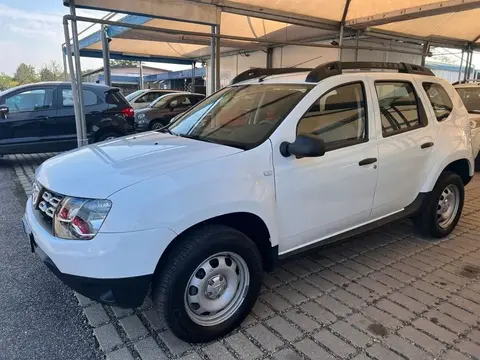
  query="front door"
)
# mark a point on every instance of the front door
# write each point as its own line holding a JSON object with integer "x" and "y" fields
{"x": 320, "y": 197}
{"x": 22, "y": 128}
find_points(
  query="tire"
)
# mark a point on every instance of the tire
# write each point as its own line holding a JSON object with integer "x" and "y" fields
{"x": 183, "y": 267}
{"x": 158, "y": 124}
{"x": 108, "y": 136}
{"x": 427, "y": 221}
{"x": 477, "y": 163}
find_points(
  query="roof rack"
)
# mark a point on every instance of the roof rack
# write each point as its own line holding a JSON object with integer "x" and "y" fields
{"x": 336, "y": 68}
{"x": 466, "y": 81}
{"x": 259, "y": 72}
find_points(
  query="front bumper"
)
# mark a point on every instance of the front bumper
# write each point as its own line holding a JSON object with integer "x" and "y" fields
{"x": 142, "y": 127}
{"x": 112, "y": 268}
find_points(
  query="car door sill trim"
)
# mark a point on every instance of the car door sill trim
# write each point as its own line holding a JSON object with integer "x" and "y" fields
{"x": 401, "y": 214}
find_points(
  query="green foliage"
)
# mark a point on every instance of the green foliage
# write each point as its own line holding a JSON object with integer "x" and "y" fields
{"x": 123, "y": 63}
{"x": 6, "y": 82}
{"x": 51, "y": 72}
{"x": 25, "y": 74}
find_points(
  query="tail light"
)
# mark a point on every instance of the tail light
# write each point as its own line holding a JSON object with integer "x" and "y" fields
{"x": 128, "y": 112}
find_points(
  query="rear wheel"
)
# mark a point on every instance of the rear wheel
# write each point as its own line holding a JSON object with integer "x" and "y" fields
{"x": 107, "y": 136}
{"x": 208, "y": 284}
{"x": 443, "y": 208}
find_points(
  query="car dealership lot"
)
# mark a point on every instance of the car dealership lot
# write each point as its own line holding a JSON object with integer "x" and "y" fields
{"x": 387, "y": 294}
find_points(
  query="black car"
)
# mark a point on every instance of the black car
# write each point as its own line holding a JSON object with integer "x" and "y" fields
{"x": 165, "y": 108}
{"x": 40, "y": 117}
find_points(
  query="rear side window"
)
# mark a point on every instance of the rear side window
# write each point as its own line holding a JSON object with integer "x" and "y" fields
{"x": 115, "y": 99}
{"x": 441, "y": 103}
{"x": 399, "y": 107}
{"x": 89, "y": 98}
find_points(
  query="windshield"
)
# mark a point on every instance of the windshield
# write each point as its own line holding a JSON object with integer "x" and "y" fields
{"x": 133, "y": 95}
{"x": 161, "y": 101}
{"x": 471, "y": 98}
{"x": 241, "y": 116}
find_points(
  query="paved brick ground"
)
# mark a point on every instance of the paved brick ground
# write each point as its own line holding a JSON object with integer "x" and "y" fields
{"x": 388, "y": 294}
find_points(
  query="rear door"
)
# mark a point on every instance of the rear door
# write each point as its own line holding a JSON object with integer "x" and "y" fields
{"x": 144, "y": 100}
{"x": 406, "y": 143}
{"x": 22, "y": 129}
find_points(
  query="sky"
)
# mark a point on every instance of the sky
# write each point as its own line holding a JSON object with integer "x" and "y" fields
{"x": 31, "y": 31}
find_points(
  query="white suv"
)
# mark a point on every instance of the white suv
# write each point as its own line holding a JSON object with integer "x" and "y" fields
{"x": 280, "y": 161}
{"x": 469, "y": 92}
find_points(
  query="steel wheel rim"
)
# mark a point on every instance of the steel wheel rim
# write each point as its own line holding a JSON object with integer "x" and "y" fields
{"x": 448, "y": 205}
{"x": 110, "y": 138}
{"x": 217, "y": 289}
{"x": 157, "y": 126}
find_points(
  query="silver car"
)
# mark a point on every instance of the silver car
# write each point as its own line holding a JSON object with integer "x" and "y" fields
{"x": 141, "y": 98}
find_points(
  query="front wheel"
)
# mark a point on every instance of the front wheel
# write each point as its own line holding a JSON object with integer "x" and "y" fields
{"x": 209, "y": 283}
{"x": 158, "y": 124}
{"x": 443, "y": 208}
{"x": 107, "y": 136}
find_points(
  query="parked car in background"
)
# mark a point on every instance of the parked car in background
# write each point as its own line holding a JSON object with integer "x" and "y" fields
{"x": 278, "y": 162}
{"x": 142, "y": 98}
{"x": 161, "y": 111}
{"x": 40, "y": 117}
{"x": 469, "y": 91}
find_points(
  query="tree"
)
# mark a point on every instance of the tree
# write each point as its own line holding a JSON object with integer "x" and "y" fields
{"x": 6, "y": 82}
{"x": 123, "y": 63}
{"x": 51, "y": 72}
{"x": 25, "y": 74}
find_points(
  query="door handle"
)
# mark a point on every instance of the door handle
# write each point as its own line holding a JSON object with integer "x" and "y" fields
{"x": 367, "y": 161}
{"x": 427, "y": 145}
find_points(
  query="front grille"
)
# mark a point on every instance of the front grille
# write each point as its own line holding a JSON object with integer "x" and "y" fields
{"x": 46, "y": 203}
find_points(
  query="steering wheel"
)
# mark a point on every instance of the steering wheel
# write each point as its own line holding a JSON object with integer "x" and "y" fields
{"x": 265, "y": 122}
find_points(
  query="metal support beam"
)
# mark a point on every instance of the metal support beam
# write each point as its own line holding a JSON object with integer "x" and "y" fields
{"x": 212, "y": 61}
{"x": 342, "y": 28}
{"x": 142, "y": 84}
{"x": 106, "y": 56}
{"x": 78, "y": 86}
{"x": 192, "y": 88}
{"x": 426, "y": 49}
{"x": 64, "y": 57}
{"x": 461, "y": 64}
{"x": 269, "y": 58}
{"x": 357, "y": 41}
{"x": 415, "y": 12}
{"x": 73, "y": 80}
{"x": 217, "y": 58}
{"x": 467, "y": 64}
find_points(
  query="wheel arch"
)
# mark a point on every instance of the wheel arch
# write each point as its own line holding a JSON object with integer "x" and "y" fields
{"x": 462, "y": 166}
{"x": 105, "y": 130}
{"x": 247, "y": 223}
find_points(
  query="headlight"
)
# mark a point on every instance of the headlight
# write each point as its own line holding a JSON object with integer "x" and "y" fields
{"x": 474, "y": 123}
{"x": 80, "y": 219}
{"x": 140, "y": 116}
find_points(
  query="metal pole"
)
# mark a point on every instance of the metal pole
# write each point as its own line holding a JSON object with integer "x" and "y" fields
{"x": 467, "y": 64}
{"x": 212, "y": 61}
{"x": 357, "y": 41}
{"x": 64, "y": 57}
{"x": 426, "y": 47}
{"x": 142, "y": 86}
{"x": 73, "y": 80}
{"x": 192, "y": 88}
{"x": 217, "y": 60}
{"x": 470, "y": 63}
{"x": 340, "y": 43}
{"x": 460, "y": 68}
{"x": 106, "y": 56}
{"x": 78, "y": 68}
{"x": 269, "y": 57}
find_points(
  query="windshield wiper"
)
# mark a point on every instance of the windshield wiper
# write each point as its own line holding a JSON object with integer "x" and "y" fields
{"x": 165, "y": 129}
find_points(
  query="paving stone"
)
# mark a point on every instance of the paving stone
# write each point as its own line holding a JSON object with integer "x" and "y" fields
{"x": 302, "y": 321}
{"x": 305, "y": 288}
{"x": 193, "y": 356}
{"x": 312, "y": 350}
{"x": 133, "y": 327}
{"x": 174, "y": 344}
{"x": 457, "y": 313}
{"x": 320, "y": 314}
{"x": 419, "y": 338}
{"x": 284, "y": 275}
{"x": 334, "y": 343}
{"x": 379, "y": 352}
{"x": 96, "y": 315}
{"x": 386, "y": 280}
{"x": 470, "y": 348}
{"x": 320, "y": 283}
{"x": 421, "y": 266}
{"x": 419, "y": 295}
{"x": 381, "y": 317}
{"x": 345, "y": 271}
{"x": 360, "y": 269}
{"x": 406, "y": 348}
{"x": 311, "y": 265}
{"x": 407, "y": 302}
{"x": 465, "y": 304}
{"x": 362, "y": 292}
{"x": 265, "y": 337}
{"x": 153, "y": 319}
{"x": 284, "y": 328}
{"x": 245, "y": 349}
{"x": 334, "y": 306}
{"x": 450, "y": 277}
{"x": 147, "y": 304}
{"x": 271, "y": 281}
{"x": 470, "y": 295}
{"x": 398, "y": 275}
{"x": 287, "y": 354}
{"x": 250, "y": 320}
{"x": 121, "y": 312}
{"x": 347, "y": 298}
{"x": 290, "y": 294}
{"x": 374, "y": 285}
{"x": 436, "y": 331}
{"x": 334, "y": 278}
{"x": 407, "y": 269}
{"x": 454, "y": 355}
{"x": 361, "y": 357}
{"x": 217, "y": 351}
{"x": 261, "y": 310}
{"x": 83, "y": 300}
{"x": 351, "y": 334}
{"x": 446, "y": 321}
{"x": 364, "y": 324}
{"x": 148, "y": 349}
{"x": 371, "y": 263}
{"x": 120, "y": 354}
{"x": 394, "y": 310}
{"x": 430, "y": 289}
{"x": 295, "y": 268}
{"x": 475, "y": 336}
{"x": 107, "y": 337}
{"x": 275, "y": 301}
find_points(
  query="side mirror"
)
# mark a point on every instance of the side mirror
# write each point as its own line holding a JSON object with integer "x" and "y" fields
{"x": 4, "y": 111}
{"x": 305, "y": 145}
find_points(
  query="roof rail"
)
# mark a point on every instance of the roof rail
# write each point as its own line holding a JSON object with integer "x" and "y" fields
{"x": 466, "y": 81}
{"x": 336, "y": 68}
{"x": 259, "y": 72}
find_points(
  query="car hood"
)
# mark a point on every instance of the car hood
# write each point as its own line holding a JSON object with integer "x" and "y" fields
{"x": 99, "y": 170}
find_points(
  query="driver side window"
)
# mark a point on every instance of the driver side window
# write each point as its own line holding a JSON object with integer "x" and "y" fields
{"x": 339, "y": 117}
{"x": 30, "y": 100}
